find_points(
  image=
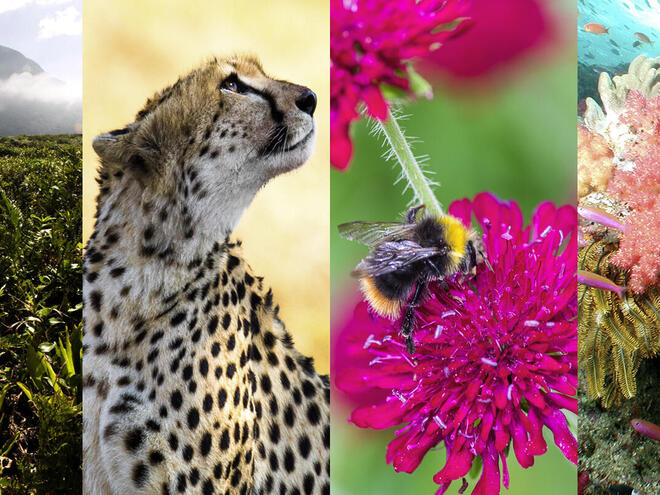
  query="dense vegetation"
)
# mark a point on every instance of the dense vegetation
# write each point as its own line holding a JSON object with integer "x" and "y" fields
{"x": 40, "y": 314}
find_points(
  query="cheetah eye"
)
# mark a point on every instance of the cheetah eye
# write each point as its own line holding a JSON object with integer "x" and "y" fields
{"x": 230, "y": 85}
{"x": 234, "y": 84}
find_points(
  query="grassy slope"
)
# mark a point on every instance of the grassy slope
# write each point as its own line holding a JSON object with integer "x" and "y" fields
{"x": 40, "y": 314}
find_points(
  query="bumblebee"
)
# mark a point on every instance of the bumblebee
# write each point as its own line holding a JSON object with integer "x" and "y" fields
{"x": 406, "y": 256}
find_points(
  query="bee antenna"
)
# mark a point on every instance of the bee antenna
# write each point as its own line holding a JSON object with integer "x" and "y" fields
{"x": 412, "y": 213}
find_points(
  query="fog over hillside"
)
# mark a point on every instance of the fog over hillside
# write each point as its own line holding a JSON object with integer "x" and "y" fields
{"x": 34, "y": 102}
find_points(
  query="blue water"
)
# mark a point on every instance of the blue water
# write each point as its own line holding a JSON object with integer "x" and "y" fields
{"x": 623, "y": 18}
{"x": 613, "y": 52}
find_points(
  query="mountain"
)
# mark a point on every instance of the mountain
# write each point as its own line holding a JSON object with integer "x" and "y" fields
{"x": 13, "y": 62}
{"x": 33, "y": 101}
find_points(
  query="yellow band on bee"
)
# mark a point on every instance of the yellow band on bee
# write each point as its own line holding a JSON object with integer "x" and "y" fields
{"x": 384, "y": 306}
{"x": 456, "y": 233}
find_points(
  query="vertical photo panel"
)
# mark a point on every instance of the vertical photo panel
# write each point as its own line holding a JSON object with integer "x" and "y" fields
{"x": 40, "y": 247}
{"x": 206, "y": 313}
{"x": 619, "y": 254}
{"x": 453, "y": 247}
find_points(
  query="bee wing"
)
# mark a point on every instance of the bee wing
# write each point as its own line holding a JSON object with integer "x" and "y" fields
{"x": 373, "y": 233}
{"x": 391, "y": 256}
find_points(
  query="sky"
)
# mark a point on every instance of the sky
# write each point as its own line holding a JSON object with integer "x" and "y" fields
{"x": 47, "y": 31}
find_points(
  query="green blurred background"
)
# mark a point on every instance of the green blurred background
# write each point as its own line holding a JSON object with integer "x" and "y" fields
{"x": 515, "y": 138}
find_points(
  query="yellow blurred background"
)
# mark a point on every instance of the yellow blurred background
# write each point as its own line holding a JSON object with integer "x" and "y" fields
{"x": 132, "y": 49}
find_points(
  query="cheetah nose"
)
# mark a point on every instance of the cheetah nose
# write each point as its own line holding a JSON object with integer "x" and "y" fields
{"x": 307, "y": 101}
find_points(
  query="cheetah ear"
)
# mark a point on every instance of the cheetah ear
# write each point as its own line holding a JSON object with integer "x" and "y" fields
{"x": 127, "y": 147}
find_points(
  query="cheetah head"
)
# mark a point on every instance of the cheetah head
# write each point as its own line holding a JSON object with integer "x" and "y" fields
{"x": 213, "y": 139}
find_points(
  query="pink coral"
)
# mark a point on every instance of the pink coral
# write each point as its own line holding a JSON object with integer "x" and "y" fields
{"x": 495, "y": 356}
{"x": 639, "y": 249}
{"x": 594, "y": 160}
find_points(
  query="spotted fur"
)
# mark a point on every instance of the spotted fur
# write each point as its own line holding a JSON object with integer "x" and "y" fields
{"x": 191, "y": 382}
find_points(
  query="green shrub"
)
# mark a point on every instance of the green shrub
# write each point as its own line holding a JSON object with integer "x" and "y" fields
{"x": 40, "y": 314}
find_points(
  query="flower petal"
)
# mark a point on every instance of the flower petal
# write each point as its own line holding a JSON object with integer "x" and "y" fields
{"x": 458, "y": 464}
{"x": 376, "y": 105}
{"x": 564, "y": 439}
{"x": 489, "y": 482}
{"x": 462, "y": 209}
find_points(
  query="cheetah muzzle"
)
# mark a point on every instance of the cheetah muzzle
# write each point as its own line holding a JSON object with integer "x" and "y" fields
{"x": 191, "y": 382}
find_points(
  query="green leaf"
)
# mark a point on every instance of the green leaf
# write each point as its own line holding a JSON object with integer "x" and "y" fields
{"x": 25, "y": 390}
{"x": 3, "y": 392}
{"x": 418, "y": 85}
{"x": 393, "y": 94}
{"x": 66, "y": 353}
{"x": 34, "y": 361}
{"x": 46, "y": 347}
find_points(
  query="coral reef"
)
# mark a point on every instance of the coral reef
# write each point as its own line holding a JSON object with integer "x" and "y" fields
{"x": 626, "y": 180}
{"x": 619, "y": 292}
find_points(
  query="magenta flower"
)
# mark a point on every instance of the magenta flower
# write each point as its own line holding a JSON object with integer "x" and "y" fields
{"x": 370, "y": 41}
{"x": 495, "y": 355}
{"x": 501, "y": 33}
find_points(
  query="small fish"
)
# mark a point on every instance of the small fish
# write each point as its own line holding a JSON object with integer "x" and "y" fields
{"x": 615, "y": 51}
{"x": 599, "y": 282}
{"x": 643, "y": 38}
{"x": 599, "y": 215}
{"x": 595, "y": 28}
{"x": 614, "y": 42}
{"x": 589, "y": 55}
{"x": 636, "y": 44}
{"x": 646, "y": 428}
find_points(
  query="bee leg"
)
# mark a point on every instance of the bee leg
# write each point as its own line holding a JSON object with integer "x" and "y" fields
{"x": 412, "y": 213}
{"x": 435, "y": 268}
{"x": 483, "y": 256}
{"x": 409, "y": 318}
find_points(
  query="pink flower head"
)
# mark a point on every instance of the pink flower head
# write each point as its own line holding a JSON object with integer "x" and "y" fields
{"x": 495, "y": 354}
{"x": 370, "y": 41}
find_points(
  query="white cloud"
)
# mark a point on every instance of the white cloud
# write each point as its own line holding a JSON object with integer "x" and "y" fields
{"x": 8, "y": 5}
{"x": 40, "y": 87}
{"x": 66, "y": 22}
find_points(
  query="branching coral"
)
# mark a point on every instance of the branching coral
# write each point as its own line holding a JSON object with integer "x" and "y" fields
{"x": 594, "y": 162}
{"x": 643, "y": 76}
{"x": 614, "y": 334}
{"x": 640, "y": 190}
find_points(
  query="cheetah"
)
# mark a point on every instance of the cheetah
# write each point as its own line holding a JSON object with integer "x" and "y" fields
{"x": 191, "y": 382}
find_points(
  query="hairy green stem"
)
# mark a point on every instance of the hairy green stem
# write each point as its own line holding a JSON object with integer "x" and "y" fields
{"x": 411, "y": 168}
